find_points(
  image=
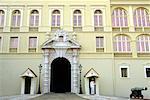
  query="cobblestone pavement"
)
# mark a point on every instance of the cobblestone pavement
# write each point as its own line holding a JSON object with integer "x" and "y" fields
{"x": 59, "y": 96}
{"x": 19, "y": 97}
{"x": 99, "y": 97}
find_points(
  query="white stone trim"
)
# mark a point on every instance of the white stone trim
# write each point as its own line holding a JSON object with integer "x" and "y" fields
{"x": 102, "y": 8}
{"x": 36, "y": 42}
{"x": 146, "y": 66}
{"x": 5, "y": 14}
{"x": 1, "y": 45}
{"x": 32, "y": 87}
{"x": 51, "y": 9}
{"x": 21, "y": 11}
{"x": 53, "y": 49}
{"x": 39, "y": 9}
{"x": 124, "y": 66}
{"x": 73, "y": 8}
{"x": 22, "y": 85}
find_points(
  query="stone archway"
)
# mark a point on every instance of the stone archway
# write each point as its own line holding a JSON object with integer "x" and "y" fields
{"x": 61, "y": 45}
{"x": 60, "y": 75}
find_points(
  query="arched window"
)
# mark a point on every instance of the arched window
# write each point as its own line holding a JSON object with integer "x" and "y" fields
{"x": 143, "y": 43}
{"x": 77, "y": 18}
{"x": 2, "y": 18}
{"x": 98, "y": 21}
{"x": 16, "y": 16}
{"x": 56, "y": 18}
{"x": 121, "y": 43}
{"x": 34, "y": 18}
{"x": 141, "y": 17}
{"x": 119, "y": 17}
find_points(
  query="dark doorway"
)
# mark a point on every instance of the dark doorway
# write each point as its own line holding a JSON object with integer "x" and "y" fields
{"x": 27, "y": 85}
{"x": 60, "y": 75}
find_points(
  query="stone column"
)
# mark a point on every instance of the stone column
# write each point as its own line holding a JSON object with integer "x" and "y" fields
{"x": 75, "y": 71}
{"x": 46, "y": 76}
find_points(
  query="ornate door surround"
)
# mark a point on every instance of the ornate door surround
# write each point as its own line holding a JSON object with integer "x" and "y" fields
{"x": 61, "y": 45}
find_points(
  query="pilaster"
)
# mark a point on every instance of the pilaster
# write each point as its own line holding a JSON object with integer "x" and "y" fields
{"x": 46, "y": 76}
{"x": 108, "y": 27}
{"x": 75, "y": 71}
{"x": 133, "y": 48}
{"x": 8, "y": 21}
{"x": 44, "y": 27}
{"x": 67, "y": 24}
{"x": 88, "y": 23}
{"x": 131, "y": 24}
{"x": 25, "y": 26}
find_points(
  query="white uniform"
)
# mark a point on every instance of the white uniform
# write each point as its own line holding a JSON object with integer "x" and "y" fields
{"x": 92, "y": 86}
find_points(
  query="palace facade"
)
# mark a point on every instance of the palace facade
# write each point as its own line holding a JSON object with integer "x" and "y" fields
{"x": 103, "y": 41}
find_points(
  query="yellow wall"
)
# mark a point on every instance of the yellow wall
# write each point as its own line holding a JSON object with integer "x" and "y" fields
{"x": 105, "y": 63}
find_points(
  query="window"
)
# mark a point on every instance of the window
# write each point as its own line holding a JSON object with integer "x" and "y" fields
{"x": 32, "y": 44}
{"x": 13, "y": 44}
{"x": 99, "y": 44}
{"x": 16, "y": 16}
{"x": 2, "y": 18}
{"x": 77, "y": 18}
{"x": 124, "y": 71}
{"x": 119, "y": 18}
{"x": 98, "y": 21}
{"x": 143, "y": 43}
{"x": 34, "y": 18}
{"x": 141, "y": 17}
{"x": 147, "y": 71}
{"x": 56, "y": 18}
{"x": 0, "y": 43}
{"x": 121, "y": 43}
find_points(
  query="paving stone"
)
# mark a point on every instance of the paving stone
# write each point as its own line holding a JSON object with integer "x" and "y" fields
{"x": 59, "y": 96}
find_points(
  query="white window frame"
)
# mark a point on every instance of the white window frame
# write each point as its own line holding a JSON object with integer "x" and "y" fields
{"x": 146, "y": 66}
{"x": 124, "y": 66}
{"x": 17, "y": 43}
{"x": 56, "y": 19}
{"x": 81, "y": 8}
{"x": 98, "y": 20}
{"x": 77, "y": 15}
{"x": 99, "y": 41}
{"x": 29, "y": 12}
{"x": 5, "y": 14}
{"x": 36, "y": 44}
{"x": 1, "y": 19}
{"x": 34, "y": 19}
{"x": 51, "y": 9}
{"x": 119, "y": 16}
{"x": 21, "y": 13}
{"x": 127, "y": 39}
{"x": 136, "y": 15}
{"x": 144, "y": 41}
{"x": 1, "y": 43}
{"x": 103, "y": 9}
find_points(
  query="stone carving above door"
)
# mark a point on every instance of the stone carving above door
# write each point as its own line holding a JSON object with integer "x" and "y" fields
{"x": 61, "y": 39}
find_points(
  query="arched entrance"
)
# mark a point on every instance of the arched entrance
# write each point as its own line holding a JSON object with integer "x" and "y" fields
{"x": 60, "y": 75}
